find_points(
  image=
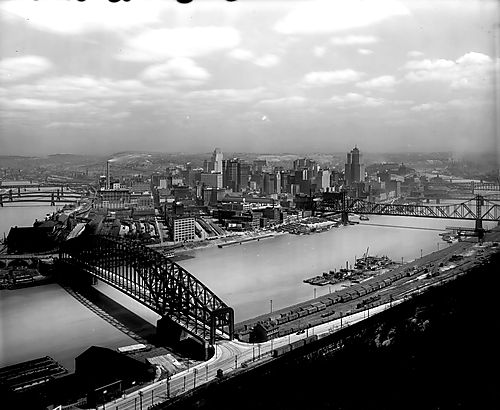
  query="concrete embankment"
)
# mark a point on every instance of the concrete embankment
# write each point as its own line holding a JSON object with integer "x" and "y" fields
{"x": 436, "y": 349}
{"x": 240, "y": 241}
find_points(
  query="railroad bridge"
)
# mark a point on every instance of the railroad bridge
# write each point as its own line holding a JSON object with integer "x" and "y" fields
{"x": 480, "y": 208}
{"x": 185, "y": 304}
{"x": 47, "y": 195}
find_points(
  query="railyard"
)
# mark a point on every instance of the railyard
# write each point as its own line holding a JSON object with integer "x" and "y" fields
{"x": 414, "y": 276}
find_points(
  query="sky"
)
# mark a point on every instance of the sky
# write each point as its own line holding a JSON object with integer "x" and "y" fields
{"x": 264, "y": 76}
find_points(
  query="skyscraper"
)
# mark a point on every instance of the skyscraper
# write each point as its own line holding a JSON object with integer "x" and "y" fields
{"x": 217, "y": 160}
{"x": 354, "y": 168}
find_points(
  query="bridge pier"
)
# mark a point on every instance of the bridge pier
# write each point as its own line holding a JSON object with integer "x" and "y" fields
{"x": 172, "y": 334}
{"x": 344, "y": 217}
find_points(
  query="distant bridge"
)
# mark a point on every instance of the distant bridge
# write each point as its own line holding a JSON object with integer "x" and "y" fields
{"x": 46, "y": 196}
{"x": 155, "y": 281}
{"x": 479, "y": 209}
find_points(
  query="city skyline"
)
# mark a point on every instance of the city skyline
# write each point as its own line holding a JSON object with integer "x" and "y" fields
{"x": 248, "y": 76}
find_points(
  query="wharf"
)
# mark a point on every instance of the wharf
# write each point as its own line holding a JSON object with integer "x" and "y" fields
{"x": 240, "y": 241}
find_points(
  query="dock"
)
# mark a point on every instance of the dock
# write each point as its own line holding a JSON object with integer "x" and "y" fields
{"x": 240, "y": 241}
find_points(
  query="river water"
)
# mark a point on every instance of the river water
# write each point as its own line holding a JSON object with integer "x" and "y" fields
{"x": 46, "y": 320}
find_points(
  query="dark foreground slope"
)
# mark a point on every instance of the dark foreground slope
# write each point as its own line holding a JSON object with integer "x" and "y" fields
{"x": 437, "y": 351}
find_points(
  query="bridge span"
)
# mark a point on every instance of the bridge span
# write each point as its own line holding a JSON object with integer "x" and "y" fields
{"x": 46, "y": 195}
{"x": 184, "y": 302}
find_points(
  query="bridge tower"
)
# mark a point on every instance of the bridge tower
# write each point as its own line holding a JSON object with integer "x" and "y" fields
{"x": 479, "y": 222}
{"x": 344, "y": 214}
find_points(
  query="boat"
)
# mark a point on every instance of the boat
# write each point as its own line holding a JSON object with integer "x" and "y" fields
{"x": 364, "y": 218}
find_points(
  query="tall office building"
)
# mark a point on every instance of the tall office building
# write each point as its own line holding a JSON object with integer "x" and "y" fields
{"x": 354, "y": 168}
{"x": 217, "y": 160}
{"x": 236, "y": 174}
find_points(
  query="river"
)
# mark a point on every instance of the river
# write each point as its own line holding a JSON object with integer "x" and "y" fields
{"x": 46, "y": 320}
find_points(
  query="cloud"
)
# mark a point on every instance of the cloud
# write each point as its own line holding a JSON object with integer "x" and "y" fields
{"x": 351, "y": 100}
{"x": 472, "y": 70}
{"x": 160, "y": 44}
{"x": 77, "y": 88}
{"x": 285, "y": 102}
{"x": 414, "y": 54}
{"x": 322, "y": 78}
{"x": 33, "y": 104}
{"x": 327, "y": 16}
{"x": 435, "y": 106}
{"x": 241, "y": 54}
{"x": 353, "y": 40}
{"x": 177, "y": 71}
{"x": 365, "y": 51}
{"x": 267, "y": 60}
{"x": 384, "y": 82}
{"x": 15, "y": 68}
{"x": 73, "y": 17}
{"x": 69, "y": 124}
{"x": 319, "y": 51}
{"x": 228, "y": 94}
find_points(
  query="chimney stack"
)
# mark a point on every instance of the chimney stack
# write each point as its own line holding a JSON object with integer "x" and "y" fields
{"x": 107, "y": 174}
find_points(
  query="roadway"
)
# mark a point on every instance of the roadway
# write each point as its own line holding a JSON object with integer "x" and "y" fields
{"x": 229, "y": 356}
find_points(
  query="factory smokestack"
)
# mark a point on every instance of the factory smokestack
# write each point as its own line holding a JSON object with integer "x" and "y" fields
{"x": 107, "y": 174}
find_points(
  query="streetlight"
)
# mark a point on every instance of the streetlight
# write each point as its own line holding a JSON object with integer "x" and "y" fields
{"x": 206, "y": 371}
{"x": 253, "y": 353}
{"x": 184, "y": 388}
{"x": 140, "y": 399}
{"x": 104, "y": 399}
{"x": 235, "y": 361}
{"x": 168, "y": 385}
{"x": 438, "y": 245}
{"x": 421, "y": 253}
{"x": 194, "y": 382}
{"x": 271, "y": 302}
{"x": 314, "y": 293}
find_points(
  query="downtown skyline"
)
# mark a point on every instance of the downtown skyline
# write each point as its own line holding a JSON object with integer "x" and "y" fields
{"x": 255, "y": 76}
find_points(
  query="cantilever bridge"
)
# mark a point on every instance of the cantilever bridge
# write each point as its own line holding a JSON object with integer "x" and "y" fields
{"x": 155, "y": 281}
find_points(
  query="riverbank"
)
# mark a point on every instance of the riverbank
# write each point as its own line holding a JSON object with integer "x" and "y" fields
{"x": 218, "y": 242}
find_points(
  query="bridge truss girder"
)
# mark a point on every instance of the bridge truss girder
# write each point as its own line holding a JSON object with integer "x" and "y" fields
{"x": 155, "y": 281}
{"x": 479, "y": 208}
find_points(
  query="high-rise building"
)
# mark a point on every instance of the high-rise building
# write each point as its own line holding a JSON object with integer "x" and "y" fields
{"x": 236, "y": 174}
{"x": 323, "y": 180}
{"x": 217, "y": 160}
{"x": 354, "y": 168}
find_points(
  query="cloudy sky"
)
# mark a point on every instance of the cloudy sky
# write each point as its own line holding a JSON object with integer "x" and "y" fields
{"x": 249, "y": 75}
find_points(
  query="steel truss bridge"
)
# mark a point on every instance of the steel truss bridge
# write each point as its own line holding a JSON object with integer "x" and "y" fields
{"x": 51, "y": 197}
{"x": 479, "y": 209}
{"x": 155, "y": 281}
